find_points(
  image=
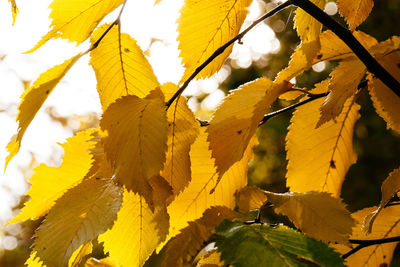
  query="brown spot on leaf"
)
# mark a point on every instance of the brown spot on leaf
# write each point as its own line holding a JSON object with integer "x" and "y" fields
{"x": 239, "y": 132}
{"x": 332, "y": 164}
{"x": 127, "y": 50}
{"x": 319, "y": 56}
{"x": 383, "y": 264}
{"x": 47, "y": 92}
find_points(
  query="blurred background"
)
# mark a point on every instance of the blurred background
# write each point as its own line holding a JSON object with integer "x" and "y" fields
{"x": 74, "y": 104}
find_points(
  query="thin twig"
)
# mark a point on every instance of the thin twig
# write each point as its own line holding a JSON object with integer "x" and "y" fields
{"x": 221, "y": 49}
{"x": 366, "y": 243}
{"x": 117, "y": 21}
{"x": 347, "y": 37}
{"x": 275, "y": 113}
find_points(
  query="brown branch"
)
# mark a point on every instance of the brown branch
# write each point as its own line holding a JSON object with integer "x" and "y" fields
{"x": 117, "y": 21}
{"x": 347, "y": 37}
{"x": 366, "y": 243}
{"x": 221, "y": 49}
{"x": 312, "y": 97}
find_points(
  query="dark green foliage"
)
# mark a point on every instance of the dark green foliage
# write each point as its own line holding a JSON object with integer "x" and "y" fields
{"x": 264, "y": 245}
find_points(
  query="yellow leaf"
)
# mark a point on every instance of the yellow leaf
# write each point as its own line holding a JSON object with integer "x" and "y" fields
{"x": 34, "y": 261}
{"x": 341, "y": 88}
{"x": 355, "y": 11}
{"x": 50, "y": 183}
{"x": 203, "y": 27}
{"x": 120, "y": 66}
{"x": 74, "y": 260}
{"x": 196, "y": 198}
{"x": 75, "y": 20}
{"x": 318, "y": 215}
{"x": 33, "y": 98}
{"x": 386, "y": 225}
{"x": 182, "y": 132}
{"x": 389, "y": 188}
{"x": 14, "y": 10}
{"x": 251, "y": 198}
{"x": 137, "y": 140}
{"x": 185, "y": 246}
{"x": 309, "y": 30}
{"x": 237, "y": 119}
{"x": 387, "y": 103}
{"x": 137, "y": 231}
{"x": 81, "y": 214}
{"x": 79, "y": 254}
{"x": 319, "y": 158}
{"x": 332, "y": 48}
{"x": 212, "y": 259}
{"x": 106, "y": 262}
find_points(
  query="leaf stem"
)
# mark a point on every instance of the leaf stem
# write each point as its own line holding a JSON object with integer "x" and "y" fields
{"x": 221, "y": 49}
{"x": 348, "y": 38}
{"x": 365, "y": 243}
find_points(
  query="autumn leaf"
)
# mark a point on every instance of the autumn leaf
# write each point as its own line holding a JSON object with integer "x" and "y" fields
{"x": 137, "y": 231}
{"x": 50, "y": 183}
{"x": 211, "y": 259}
{"x": 182, "y": 132}
{"x": 185, "y": 246}
{"x": 237, "y": 118}
{"x": 80, "y": 253}
{"x": 309, "y": 30}
{"x": 306, "y": 210}
{"x": 196, "y": 198}
{"x": 137, "y": 140}
{"x": 341, "y": 88}
{"x": 332, "y": 48}
{"x": 33, "y": 98}
{"x": 74, "y": 260}
{"x": 106, "y": 262}
{"x": 387, "y": 103}
{"x": 386, "y": 225}
{"x": 14, "y": 10}
{"x": 216, "y": 22}
{"x": 319, "y": 158}
{"x": 389, "y": 188}
{"x": 33, "y": 261}
{"x": 75, "y": 20}
{"x": 355, "y": 11}
{"x": 251, "y": 198}
{"x": 81, "y": 214}
{"x": 120, "y": 66}
{"x": 254, "y": 245}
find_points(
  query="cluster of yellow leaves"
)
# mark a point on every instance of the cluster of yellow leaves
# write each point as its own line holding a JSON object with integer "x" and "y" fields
{"x": 150, "y": 178}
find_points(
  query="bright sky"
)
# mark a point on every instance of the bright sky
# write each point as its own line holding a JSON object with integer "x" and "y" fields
{"x": 153, "y": 27}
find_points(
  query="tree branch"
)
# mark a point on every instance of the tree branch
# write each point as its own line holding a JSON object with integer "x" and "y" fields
{"x": 312, "y": 97}
{"x": 117, "y": 21}
{"x": 347, "y": 37}
{"x": 365, "y": 243}
{"x": 221, "y": 49}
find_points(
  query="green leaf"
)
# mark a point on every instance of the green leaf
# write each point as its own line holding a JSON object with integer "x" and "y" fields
{"x": 263, "y": 245}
